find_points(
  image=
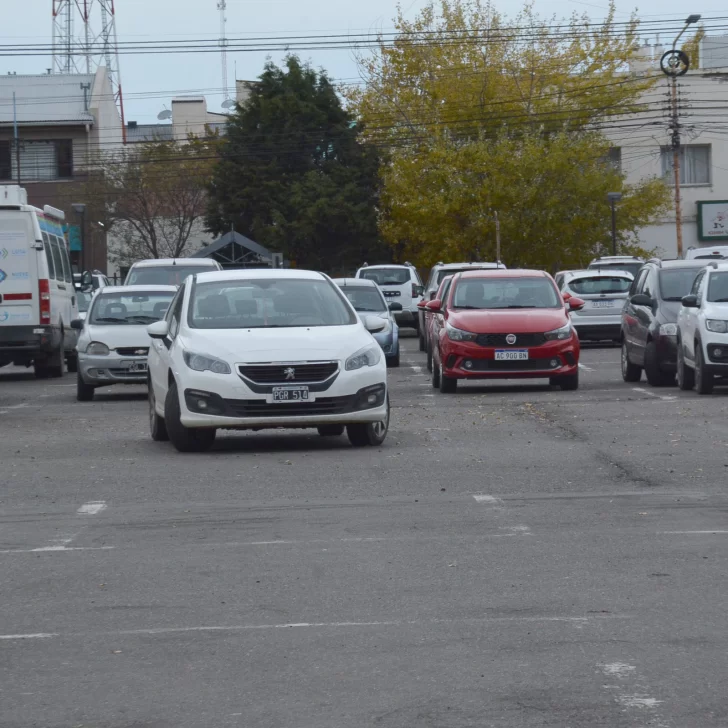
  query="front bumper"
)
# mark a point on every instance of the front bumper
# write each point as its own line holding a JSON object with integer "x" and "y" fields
{"x": 716, "y": 355}
{"x": 667, "y": 353}
{"x": 111, "y": 369}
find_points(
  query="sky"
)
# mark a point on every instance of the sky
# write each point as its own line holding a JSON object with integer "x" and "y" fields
{"x": 150, "y": 82}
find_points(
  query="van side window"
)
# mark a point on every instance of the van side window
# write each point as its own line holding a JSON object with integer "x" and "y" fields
{"x": 57, "y": 259}
{"x": 49, "y": 256}
{"x": 67, "y": 274}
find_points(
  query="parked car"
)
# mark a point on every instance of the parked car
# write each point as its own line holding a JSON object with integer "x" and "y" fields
{"x": 37, "y": 297}
{"x": 167, "y": 271}
{"x": 430, "y": 317}
{"x": 83, "y": 299}
{"x": 707, "y": 252}
{"x": 604, "y": 294}
{"x": 113, "y": 344}
{"x": 399, "y": 283}
{"x": 560, "y": 277}
{"x": 649, "y": 319}
{"x": 366, "y": 298}
{"x": 702, "y": 331}
{"x": 98, "y": 280}
{"x": 630, "y": 263}
{"x": 437, "y": 274}
{"x": 254, "y": 349}
{"x": 502, "y": 324}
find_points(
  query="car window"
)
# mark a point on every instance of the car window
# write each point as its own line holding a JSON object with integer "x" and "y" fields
{"x": 163, "y": 275}
{"x": 696, "y": 283}
{"x": 130, "y": 308}
{"x": 501, "y": 293}
{"x": 281, "y": 303}
{"x": 386, "y": 276}
{"x": 638, "y": 281}
{"x": 594, "y": 286}
{"x": 67, "y": 273}
{"x": 49, "y": 256}
{"x": 84, "y": 300}
{"x": 57, "y": 258}
{"x": 445, "y": 290}
{"x": 649, "y": 286}
{"x": 630, "y": 267}
{"x": 676, "y": 283}
{"x": 174, "y": 314}
{"x": 718, "y": 287}
{"x": 365, "y": 298}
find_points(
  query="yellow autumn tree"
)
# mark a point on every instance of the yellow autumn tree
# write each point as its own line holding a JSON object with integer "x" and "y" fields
{"x": 481, "y": 113}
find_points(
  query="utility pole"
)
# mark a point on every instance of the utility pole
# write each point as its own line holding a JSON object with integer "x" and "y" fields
{"x": 614, "y": 198}
{"x": 17, "y": 138}
{"x": 676, "y": 63}
{"x": 497, "y": 238}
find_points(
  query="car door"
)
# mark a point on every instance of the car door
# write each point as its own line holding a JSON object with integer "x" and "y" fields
{"x": 630, "y": 320}
{"x": 437, "y": 323}
{"x": 644, "y": 315}
{"x": 159, "y": 351}
{"x": 689, "y": 316}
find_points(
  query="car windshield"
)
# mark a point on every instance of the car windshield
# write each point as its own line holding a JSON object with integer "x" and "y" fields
{"x": 130, "y": 308}
{"x": 718, "y": 287}
{"x": 632, "y": 267}
{"x": 386, "y": 276}
{"x": 163, "y": 275}
{"x": 503, "y": 293}
{"x": 596, "y": 286}
{"x": 84, "y": 300}
{"x": 365, "y": 298}
{"x": 676, "y": 283}
{"x": 268, "y": 303}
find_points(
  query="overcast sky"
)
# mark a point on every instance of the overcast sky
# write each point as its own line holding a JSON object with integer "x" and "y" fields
{"x": 150, "y": 82}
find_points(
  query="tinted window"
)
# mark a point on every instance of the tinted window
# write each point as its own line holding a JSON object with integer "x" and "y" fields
{"x": 130, "y": 308}
{"x": 387, "y": 276}
{"x": 499, "y": 293}
{"x": 67, "y": 273}
{"x": 84, "y": 300}
{"x": 600, "y": 285}
{"x": 675, "y": 284}
{"x": 649, "y": 288}
{"x": 632, "y": 268}
{"x": 268, "y": 303}
{"x": 718, "y": 288}
{"x": 443, "y": 273}
{"x": 49, "y": 256}
{"x": 57, "y": 257}
{"x": 163, "y": 275}
{"x": 365, "y": 298}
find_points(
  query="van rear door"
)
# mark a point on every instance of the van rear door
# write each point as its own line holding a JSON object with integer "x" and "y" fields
{"x": 19, "y": 305}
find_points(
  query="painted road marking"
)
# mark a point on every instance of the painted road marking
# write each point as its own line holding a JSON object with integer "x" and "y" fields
{"x": 480, "y": 498}
{"x": 46, "y": 549}
{"x": 585, "y": 368}
{"x": 38, "y": 636}
{"x": 91, "y": 508}
{"x": 693, "y": 532}
{"x": 663, "y": 397}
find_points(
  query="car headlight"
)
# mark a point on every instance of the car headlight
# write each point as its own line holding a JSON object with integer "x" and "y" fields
{"x": 668, "y": 330}
{"x": 458, "y": 334}
{"x": 559, "y": 334}
{"x": 202, "y": 363}
{"x": 369, "y": 356}
{"x": 96, "y": 348}
{"x": 717, "y": 326}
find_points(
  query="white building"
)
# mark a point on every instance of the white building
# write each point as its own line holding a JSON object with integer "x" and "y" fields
{"x": 642, "y": 146}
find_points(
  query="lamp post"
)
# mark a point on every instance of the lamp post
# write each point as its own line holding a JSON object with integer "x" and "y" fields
{"x": 676, "y": 63}
{"x": 614, "y": 198}
{"x": 80, "y": 209}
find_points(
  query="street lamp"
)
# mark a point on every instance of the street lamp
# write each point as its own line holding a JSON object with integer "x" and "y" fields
{"x": 80, "y": 209}
{"x": 614, "y": 198}
{"x": 676, "y": 63}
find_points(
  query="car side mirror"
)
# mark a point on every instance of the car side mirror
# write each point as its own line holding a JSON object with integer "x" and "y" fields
{"x": 422, "y": 304}
{"x": 77, "y": 324}
{"x": 87, "y": 280}
{"x": 432, "y": 295}
{"x": 690, "y": 301}
{"x": 373, "y": 324}
{"x": 395, "y": 306}
{"x": 641, "y": 299}
{"x": 434, "y": 306}
{"x": 418, "y": 290}
{"x": 575, "y": 304}
{"x": 566, "y": 296}
{"x": 158, "y": 330}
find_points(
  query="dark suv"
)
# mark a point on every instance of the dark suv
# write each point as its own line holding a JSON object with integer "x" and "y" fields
{"x": 649, "y": 319}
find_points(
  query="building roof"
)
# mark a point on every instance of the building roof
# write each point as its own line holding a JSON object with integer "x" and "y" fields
{"x": 230, "y": 238}
{"x": 46, "y": 99}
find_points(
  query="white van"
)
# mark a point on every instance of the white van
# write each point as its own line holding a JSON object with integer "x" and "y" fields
{"x": 399, "y": 284}
{"x": 167, "y": 271}
{"x": 37, "y": 295}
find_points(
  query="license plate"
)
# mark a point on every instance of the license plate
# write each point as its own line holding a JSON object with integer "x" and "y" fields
{"x": 391, "y": 293}
{"x": 136, "y": 366}
{"x": 511, "y": 354}
{"x": 291, "y": 394}
{"x": 602, "y": 304}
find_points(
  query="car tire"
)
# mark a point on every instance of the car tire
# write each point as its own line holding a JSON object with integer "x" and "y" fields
{"x": 157, "y": 424}
{"x": 655, "y": 377}
{"x": 369, "y": 434}
{"x": 630, "y": 372}
{"x": 72, "y": 363}
{"x": 567, "y": 382}
{"x": 57, "y": 362}
{"x": 448, "y": 385}
{"x": 435, "y": 369}
{"x": 429, "y": 360}
{"x": 185, "y": 439}
{"x": 685, "y": 375}
{"x": 40, "y": 368}
{"x": 704, "y": 380}
{"x": 84, "y": 392}
{"x": 331, "y": 430}
{"x": 393, "y": 361}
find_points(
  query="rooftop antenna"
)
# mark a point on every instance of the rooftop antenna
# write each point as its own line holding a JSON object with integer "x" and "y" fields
{"x": 164, "y": 114}
{"x": 227, "y": 102}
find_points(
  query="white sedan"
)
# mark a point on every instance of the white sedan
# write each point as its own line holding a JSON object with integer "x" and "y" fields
{"x": 257, "y": 349}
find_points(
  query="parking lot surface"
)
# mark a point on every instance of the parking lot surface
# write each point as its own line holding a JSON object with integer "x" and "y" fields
{"x": 513, "y": 556}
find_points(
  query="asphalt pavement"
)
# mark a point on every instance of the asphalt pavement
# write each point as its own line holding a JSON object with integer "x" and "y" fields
{"x": 513, "y": 556}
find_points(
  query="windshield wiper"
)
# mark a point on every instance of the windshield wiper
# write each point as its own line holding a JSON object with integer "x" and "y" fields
{"x": 110, "y": 320}
{"x": 391, "y": 283}
{"x": 674, "y": 298}
{"x": 719, "y": 300}
{"x": 144, "y": 319}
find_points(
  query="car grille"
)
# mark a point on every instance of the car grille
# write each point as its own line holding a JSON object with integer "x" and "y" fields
{"x": 523, "y": 365}
{"x": 260, "y": 408}
{"x": 133, "y": 351}
{"x": 287, "y": 373}
{"x": 521, "y": 340}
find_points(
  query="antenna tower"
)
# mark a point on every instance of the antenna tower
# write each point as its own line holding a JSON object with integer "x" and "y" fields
{"x": 222, "y": 7}
{"x": 84, "y": 38}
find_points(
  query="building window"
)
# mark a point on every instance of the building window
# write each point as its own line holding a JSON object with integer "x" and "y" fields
{"x": 39, "y": 160}
{"x": 6, "y": 166}
{"x": 694, "y": 164}
{"x": 614, "y": 158}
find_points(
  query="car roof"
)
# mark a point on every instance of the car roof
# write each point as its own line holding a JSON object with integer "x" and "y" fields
{"x": 455, "y": 266}
{"x": 151, "y": 262}
{"x": 614, "y": 258}
{"x": 249, "y": 274}
{"x": 137, "y": 289}
{"x": 597, "y": 273}
{"x": 689, "y": 263}
{"x": 721, "y": 267}
{"x": 503, "y": 273}
{"x": 386, "y": 265}
{"x": 358, "y": 282}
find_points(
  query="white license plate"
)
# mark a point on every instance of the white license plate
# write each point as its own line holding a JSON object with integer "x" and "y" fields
{"x": 602, "y": 304}
{"x": 291, "y": 394}
{"x": 136, "y": 366}
{"x": 511, "y": 354}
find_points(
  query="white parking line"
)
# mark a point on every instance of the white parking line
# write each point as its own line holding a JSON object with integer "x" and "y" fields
{"x": 38, "y": 636}
{"x": 56, "y": 548}
{"x": 91, "y": 508}
{"x": 664, "y": 398}
{"x": 487, "y": 499}
{"x": 692, "y": 532}
{"x": 585, "y": 368}
{"x": 416, "y": 368}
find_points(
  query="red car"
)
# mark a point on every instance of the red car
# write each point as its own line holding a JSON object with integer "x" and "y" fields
{"x": 429, "y": 316}
{"x": 504, "y": 324}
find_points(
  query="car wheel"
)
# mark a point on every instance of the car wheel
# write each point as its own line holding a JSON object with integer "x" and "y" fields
{"x": 567, "y": 382}
{"x": 370, "y": 433}
{"x": 393, "y": 361}
{"x": 157, "y": 425}
{"x": 84, "y": 392}
{"x": 429, "y": 360}
{"x": 57, "y": 363}
{"x": 703, "y": 379}
{"x": 685, "y": 375}
{"x": 72, "y": 363}
{"x": 435, "y": 369}
{"x": 448, "y": 385}
{"x": 630, "y": 372}
{"x": 185, "y": 439}
{"x": 654, "y": 376}
{"x": 330, "y": 430}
